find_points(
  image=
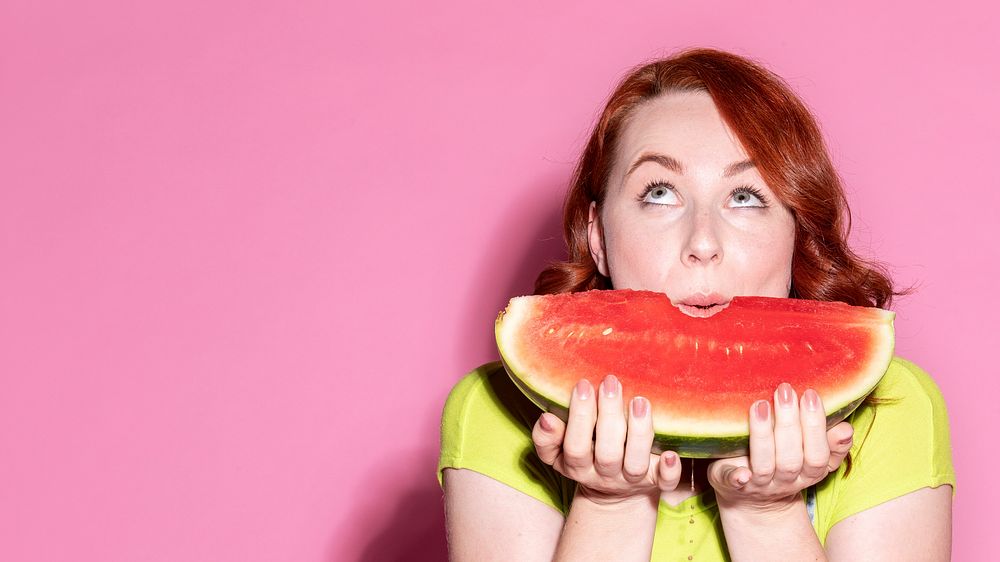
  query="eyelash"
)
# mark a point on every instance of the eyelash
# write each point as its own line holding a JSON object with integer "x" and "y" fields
{"x": 741, "y": 189}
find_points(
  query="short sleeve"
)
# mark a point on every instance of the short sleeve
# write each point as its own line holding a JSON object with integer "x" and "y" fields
{"x": 900, "y": 446}
{"x": 486, "y": 427}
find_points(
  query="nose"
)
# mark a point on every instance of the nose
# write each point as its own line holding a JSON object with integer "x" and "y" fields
{"x": 703, "y": 245}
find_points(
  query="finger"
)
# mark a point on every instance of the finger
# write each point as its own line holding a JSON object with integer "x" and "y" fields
{"x": 840, "y": 438}
{"x": 761, "y": 443}
{"x": 639, "y": 441}
{"x": 816, "y": 449}
{"x": 787, "y": 435}
{"x": 548, "y": 437}
{"x": 730, "y": 473}
{"x": 578, "y": 444}
{"x": 668, "y": 467}
{"x": 611, "y": 429}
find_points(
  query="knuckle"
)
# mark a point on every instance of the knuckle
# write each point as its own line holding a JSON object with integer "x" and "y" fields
{"x": 762, "y": 471}
{"x": 575, "y": 463}
{"x": 786, "y": 422}
{"x": 787, "y": 469}
{"x": 815, "y": 466}
{"x": 583, "y": 414}
{"x": 614, "y": 425}
{"x": 606, "y": 465}
{"x": 633, "y": 476}
{"x": 575, "y": 454}
{"x": 815, "y": 472}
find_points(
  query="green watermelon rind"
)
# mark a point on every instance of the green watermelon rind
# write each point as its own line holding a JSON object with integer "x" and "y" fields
{"x": 722, "y": 446}
{"x": 702, "y": 446}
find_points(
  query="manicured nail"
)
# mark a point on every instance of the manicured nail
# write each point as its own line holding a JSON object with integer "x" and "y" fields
{"x": 762, "y": 410}
{"x": 812, "y": 400}
{"x": 610, "y": 386}
{"x": 583, "y": 389}
{"x": 670, "y": 458}
{"x": 785, "y": 394}
{"x": 546, "y": 425}
{"x": 639, "y": 407}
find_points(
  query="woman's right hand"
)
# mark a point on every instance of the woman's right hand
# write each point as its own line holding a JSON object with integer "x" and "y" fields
{"x": 618, "y": 466}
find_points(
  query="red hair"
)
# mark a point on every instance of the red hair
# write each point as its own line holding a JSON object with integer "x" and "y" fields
{"x": 782, "y": 138}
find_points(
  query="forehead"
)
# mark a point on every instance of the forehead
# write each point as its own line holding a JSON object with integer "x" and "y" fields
{"x": 684, "y": 125}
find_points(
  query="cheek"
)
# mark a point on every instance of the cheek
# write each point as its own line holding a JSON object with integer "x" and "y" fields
{"x": 641, "y": 257}
{"x": 766, "y": 252}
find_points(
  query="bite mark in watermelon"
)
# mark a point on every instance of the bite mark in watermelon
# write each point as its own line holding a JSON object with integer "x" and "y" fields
{"x": 701, "y": 375}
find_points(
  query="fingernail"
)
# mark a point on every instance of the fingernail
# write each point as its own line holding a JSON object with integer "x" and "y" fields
{"x": 762, "y": 410}
{"x": 610, "y": 385}
{"x": 846, "y": 441}
{"x": 812, "y": 400}
{"x": 583, "y": 389}
{"x": 671, "y": 459}
{"x": 545, "y": 423}
{"x": 785, "y": 394}
{"x": 639, "y": 407}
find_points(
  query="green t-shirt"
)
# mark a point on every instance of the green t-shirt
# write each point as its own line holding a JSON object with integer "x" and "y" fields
{"x": 898, "y": 448}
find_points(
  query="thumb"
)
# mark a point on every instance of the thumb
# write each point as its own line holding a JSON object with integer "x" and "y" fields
{"x": 840, "y": 438}
{"x": 667, "y": 468}
{"x": 728, "y": 474}
{"x": 548, "y": 436}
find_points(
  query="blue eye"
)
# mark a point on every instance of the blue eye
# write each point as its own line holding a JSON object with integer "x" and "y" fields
{"x": 658, "y": 193}
{"x": 746, "y": 194}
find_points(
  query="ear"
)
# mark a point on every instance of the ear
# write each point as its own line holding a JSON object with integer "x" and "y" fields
{"x": 595, "y": 238}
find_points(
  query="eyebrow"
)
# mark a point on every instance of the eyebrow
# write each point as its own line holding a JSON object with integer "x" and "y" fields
{"x": 673, "y": 164}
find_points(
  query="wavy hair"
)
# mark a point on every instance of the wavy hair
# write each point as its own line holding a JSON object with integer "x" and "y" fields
{"x": 779, "y": 135}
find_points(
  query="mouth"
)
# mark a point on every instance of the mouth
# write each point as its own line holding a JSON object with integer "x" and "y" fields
{"x": 702, "y": 305}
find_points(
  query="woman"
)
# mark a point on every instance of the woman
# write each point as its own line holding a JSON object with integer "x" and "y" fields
{"x": 705, "y": 178}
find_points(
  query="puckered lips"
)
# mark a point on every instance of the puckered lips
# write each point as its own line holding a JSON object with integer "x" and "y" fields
{"x": 702, "y": 305}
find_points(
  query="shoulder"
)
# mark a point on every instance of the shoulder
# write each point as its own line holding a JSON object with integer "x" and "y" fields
{"x": 902, "y": 438}
{"x": 906, "y": 387}
{"x": 901, "y": 444}
{"x": 488, "y": 394}
{"x": 470, "y": 386}
{"x": 905, "y": 397}
{"x": 486, "y": 427}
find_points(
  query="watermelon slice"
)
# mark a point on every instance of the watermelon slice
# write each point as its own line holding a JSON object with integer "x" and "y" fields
{"x": 701, "y": 375}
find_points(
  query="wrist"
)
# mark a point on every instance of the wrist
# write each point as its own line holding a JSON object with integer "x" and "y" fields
{"x": 612, "y": 503}
{"x": 775, "y": 509}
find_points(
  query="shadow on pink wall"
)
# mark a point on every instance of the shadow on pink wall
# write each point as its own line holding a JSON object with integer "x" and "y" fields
{"x": 528, "y": 237}
{"x": 412, "y": 528}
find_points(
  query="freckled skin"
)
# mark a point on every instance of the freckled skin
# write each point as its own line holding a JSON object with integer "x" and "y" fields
{"x": 700, "y": 236}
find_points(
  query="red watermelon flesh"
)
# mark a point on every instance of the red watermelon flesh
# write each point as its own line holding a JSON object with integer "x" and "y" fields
{"x": 701, "y": 375}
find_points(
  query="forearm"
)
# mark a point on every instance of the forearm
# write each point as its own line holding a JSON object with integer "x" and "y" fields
{"x": 781, "y": 534}
{"x": 622, "y": 531}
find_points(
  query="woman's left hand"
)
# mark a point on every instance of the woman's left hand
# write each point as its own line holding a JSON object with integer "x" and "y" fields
{"x": 787, "y": 455}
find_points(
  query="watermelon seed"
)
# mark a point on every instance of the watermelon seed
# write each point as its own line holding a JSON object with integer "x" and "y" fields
{"x": 810, "y": 347}
{"x": 607, "y": 331}
{"x": 551, "y": 330}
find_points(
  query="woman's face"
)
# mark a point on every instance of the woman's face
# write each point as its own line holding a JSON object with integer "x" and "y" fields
{"x": 686, "y": 215}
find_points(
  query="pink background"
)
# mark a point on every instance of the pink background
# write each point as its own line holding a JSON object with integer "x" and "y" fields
{"x": 248, "y": 248}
